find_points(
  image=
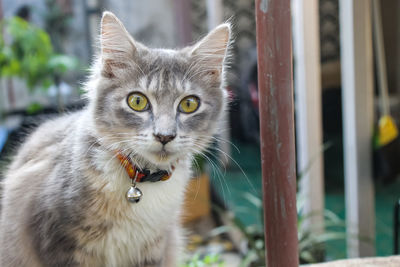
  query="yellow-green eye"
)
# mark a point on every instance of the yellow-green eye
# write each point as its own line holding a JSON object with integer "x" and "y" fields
{"x": 138, "y": 102}
{"x": 189, "y": 104}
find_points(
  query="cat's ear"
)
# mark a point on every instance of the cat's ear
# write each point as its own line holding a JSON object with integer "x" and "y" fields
{"x": 211, "y": 51}
{"x": 116, "y": 45}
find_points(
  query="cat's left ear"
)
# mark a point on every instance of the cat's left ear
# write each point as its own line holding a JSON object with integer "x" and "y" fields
{"x": 116, "y": 45}
{"x": 211, "y": 51}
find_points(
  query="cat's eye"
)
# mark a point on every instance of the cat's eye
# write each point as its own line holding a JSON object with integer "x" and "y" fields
{"x": 138, "y": 102}
{"x": 189, "y": 104}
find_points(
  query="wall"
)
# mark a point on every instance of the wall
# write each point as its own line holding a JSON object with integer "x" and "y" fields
{"x": 150, "y": 22}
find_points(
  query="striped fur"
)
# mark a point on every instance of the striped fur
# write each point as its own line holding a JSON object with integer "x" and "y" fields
{"x": 64, "y": 193}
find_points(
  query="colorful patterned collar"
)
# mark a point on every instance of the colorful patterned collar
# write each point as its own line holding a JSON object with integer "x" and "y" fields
{"x": 134, "y": 194}
{"x": 143, "y": 175}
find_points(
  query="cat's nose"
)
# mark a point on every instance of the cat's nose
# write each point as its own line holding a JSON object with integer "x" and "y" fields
{"x": 164, "y": 139}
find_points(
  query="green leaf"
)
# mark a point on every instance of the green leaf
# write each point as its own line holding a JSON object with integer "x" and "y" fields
{"x": 34, "y": 108}
{"x": 209, "y": 259}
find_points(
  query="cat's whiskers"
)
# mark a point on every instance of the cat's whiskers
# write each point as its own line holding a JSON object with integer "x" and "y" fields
{"x": 215, "y": 167}
{"x": 216, "y": 171}
{"x": 208, "y": 150}
{"x": 218, "y": 138}
{"x": 240, "y": 168}
{"x": 197, "y": 170}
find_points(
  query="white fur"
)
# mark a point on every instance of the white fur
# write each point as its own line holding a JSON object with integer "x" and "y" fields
{"x": 145, "y": 221}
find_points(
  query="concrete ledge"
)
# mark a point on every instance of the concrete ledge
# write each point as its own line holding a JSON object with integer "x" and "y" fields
{"x": 392, "y": 261}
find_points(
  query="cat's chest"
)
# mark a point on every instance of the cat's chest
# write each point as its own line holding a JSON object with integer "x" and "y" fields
{"x": 137, "y": 232}
{"x": 133, "y": 241}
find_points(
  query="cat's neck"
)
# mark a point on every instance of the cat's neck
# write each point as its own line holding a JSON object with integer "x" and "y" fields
{"x": 142, "y": 164}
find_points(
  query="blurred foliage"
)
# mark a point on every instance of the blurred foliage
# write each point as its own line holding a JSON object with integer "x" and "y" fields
{"x": 56, "y": 20}
{"x": 34, "y": 108}
{"x": 26, "y": 52}
{"x": 311, "y": 246}
{"x": 206, "y": 261}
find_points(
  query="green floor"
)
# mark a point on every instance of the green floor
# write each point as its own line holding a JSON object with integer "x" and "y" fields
{"x": 233, "y": 184}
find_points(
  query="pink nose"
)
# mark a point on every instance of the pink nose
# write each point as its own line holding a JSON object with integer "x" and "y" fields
{"x": 164, "y": 139}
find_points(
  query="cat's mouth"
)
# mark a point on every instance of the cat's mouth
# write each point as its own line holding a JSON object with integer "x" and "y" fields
{"x": 162, "y": 155}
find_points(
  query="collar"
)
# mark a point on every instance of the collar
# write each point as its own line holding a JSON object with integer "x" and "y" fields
{"x": 141, "y": 175}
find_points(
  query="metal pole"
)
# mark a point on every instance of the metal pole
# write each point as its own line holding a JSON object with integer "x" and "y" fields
{"x": 215, "y": 13}
{"x": 358, "y": 106}
{"x": 307, "y": 81}
{"x": 274, "y": 48}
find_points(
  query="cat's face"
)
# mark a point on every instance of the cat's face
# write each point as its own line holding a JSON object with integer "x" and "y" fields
{"x": 155, "y": 103}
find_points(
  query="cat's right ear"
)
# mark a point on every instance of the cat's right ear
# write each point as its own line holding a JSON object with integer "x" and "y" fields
{"x": 116, "y": 45}
{"x": 210, "y": 53}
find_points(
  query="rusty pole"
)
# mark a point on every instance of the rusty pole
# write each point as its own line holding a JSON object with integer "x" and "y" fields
{"x": 275, "y": 82}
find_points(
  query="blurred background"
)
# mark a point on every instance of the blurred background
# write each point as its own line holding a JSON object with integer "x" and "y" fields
{"x": 46, "y": 47}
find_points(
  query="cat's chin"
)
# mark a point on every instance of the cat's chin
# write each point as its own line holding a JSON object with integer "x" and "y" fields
{"x": 161, "y": 158}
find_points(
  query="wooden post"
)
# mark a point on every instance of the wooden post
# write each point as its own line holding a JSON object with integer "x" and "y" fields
{"x": 274, "y": 48}
{"x": 357, "y": 101}
{"x": 307, "y": 77}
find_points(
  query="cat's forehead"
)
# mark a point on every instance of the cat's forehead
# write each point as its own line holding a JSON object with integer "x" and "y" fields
{"x": 173, "y": 61}
{"x": 164, "y": 72}
{"x": 164, "y": 85}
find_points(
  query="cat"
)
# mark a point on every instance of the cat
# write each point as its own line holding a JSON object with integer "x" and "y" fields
{"x": 64, "y": 200}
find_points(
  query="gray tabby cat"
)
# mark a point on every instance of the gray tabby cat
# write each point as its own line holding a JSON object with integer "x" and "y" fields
{"x": 64, "y": 195}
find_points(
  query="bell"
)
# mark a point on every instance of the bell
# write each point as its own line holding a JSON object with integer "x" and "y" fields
{"x": 134, "y": 194}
